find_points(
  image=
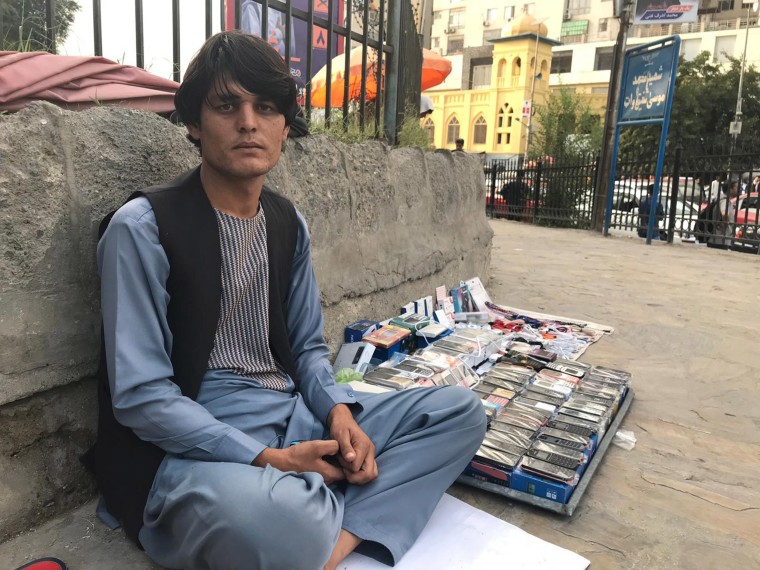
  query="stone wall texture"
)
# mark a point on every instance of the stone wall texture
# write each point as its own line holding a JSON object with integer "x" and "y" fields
{"x": 387, "y": 225}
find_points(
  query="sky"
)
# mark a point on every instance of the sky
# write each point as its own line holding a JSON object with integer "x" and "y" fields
{"x": 118, "y": 32}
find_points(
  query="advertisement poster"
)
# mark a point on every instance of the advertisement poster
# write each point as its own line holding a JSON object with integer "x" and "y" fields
{"x": 646, "y": 84}
{"x": 250, "y": 21}
{"x": 665, "y": 11}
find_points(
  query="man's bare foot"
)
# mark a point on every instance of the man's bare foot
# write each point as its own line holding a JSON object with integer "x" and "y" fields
{"x": 346, "y": 544}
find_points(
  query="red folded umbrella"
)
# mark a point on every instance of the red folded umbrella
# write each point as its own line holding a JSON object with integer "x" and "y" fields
{"x": 77, "y": 82}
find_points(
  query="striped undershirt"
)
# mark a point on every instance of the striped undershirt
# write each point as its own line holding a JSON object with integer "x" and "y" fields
{"x": 242, "y": 335}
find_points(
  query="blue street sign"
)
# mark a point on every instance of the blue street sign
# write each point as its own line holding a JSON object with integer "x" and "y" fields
{"x": 645, "y": 87}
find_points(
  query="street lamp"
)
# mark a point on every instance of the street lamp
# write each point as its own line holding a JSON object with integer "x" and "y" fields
{"x": 537, "y": 23}
{"x": 736, "y": 127}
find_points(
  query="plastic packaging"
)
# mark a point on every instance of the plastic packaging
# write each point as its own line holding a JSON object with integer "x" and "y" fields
{"x": 480, "y": 318}
{"x": 625, "y": 439}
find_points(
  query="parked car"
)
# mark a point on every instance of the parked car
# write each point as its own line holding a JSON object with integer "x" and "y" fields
{"x": 686, "y": 216}
{"x": 747, "y": 234}
{"x": 747, "y": 219}
{"x": 501, "y": 209}
{"x": 626, "y": 194}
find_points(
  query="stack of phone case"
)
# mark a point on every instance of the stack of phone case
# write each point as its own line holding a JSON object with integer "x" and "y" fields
{"x": 472, "y": 346}
{"x": 551, "y": 415}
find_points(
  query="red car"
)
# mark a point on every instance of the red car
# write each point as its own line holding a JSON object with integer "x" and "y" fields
{"x": 501, "y": 210}
{"x": 747, "y": 234}
{"x": 747, "y": 216}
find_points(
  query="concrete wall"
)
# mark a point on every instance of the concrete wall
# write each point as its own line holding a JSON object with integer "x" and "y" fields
{"x": 387, "y": 225}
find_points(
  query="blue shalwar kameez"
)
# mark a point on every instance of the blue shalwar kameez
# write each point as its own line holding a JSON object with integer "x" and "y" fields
{"x": 209, "y": 507}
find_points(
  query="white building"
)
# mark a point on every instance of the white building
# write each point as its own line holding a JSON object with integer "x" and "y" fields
{"x": 587, "y": 30}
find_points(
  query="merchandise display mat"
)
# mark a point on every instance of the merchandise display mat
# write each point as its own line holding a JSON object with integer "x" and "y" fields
{"x": 463, "y": 537}
{"x": 569, "y": 507}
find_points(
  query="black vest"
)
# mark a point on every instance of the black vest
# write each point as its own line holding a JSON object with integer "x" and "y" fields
{"x": 125, "y": 465}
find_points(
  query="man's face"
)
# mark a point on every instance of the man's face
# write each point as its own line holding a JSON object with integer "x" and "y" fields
{"x": 733, "y": 191}
{"x": 241, "y": 135}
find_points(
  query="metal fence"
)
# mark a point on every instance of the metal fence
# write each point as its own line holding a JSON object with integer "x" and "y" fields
{"x": 381, "y": 30}
{"x": 691, "y": 184}
{"x": 692, "y": 200}
{"x": 545, "y": 192}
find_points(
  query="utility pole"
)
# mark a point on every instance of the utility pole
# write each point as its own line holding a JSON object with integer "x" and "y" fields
{"x": 610, "y": 119}
{"x": 736, "y": 125}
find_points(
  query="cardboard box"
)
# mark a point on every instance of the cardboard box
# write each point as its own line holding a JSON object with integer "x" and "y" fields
{"x": 544, "y": 488}
{"x": 484, "y": 472}
{"x": 354, "y": 355}
{"x": 425, "y": 341}
{"x": 387, "y": 336}
{"x": 355, "y": 332}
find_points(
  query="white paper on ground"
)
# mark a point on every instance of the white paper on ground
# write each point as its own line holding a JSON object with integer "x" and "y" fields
{"x": 459, "y": 536}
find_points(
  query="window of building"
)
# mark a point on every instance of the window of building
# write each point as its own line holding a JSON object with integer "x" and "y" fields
{"x": 452, "y": 131}
{"x": 503, "y": 138}
{"x": 562, "y": 61}
{"x": 573, "y": 28}
{"x": 455, "y": 45}
{"x": 516, "y": 66}
{"x": 579, "y": 6}
{"x": 436, "y": 42}
{"x": 492, "y": 14}
{"x": 480, "y": 131}
{"x": 509, "y": 12}
{"x": 602, "y": 25}
{"x": 429, "y": 127}
{"x": 480, "y": 74}
{"x": 724, "y": 47}
{"x": 603, "y": 58}
{"x": 691, "y": 48}
{"x": 491, "y": 35}
{"x": 456, "y": 19}
{"x": 502, "y": 67}
{"x": 504, "y": 118}
{"x": 437, "y": 16}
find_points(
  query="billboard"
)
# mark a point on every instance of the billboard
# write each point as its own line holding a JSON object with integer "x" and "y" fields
{"x": 665, "y": 11}
{"x": 250, "y": 21}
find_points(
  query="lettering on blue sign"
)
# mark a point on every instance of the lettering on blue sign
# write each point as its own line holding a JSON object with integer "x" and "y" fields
{"x": 645, "y": 91}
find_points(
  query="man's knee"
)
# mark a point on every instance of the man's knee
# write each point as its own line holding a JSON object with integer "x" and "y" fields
{"x": 287, "y": 521}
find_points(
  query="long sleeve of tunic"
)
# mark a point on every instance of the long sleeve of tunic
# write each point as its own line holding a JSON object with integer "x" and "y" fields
{"x": 134, "y": 269}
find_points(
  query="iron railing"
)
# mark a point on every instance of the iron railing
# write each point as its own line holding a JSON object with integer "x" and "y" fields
{"x": 690, "y": 183}
{"x": 383, "y": 40}
{"x": 545, "y": 192}
{"x": 559, "y": 192}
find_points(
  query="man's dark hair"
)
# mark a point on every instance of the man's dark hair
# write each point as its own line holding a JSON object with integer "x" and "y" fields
{"x": 459, "y": 141}
{"x": 235, "y": 57}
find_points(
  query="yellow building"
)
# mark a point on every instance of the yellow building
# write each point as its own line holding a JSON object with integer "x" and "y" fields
{"x": 495, "y": 119}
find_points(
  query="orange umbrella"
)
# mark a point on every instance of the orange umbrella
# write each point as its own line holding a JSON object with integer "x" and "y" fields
{"x": 435, "y": 69}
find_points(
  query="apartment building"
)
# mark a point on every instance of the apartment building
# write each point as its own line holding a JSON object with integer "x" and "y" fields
{"x": 583, "y": 33}
{"x": 589, "y": 30}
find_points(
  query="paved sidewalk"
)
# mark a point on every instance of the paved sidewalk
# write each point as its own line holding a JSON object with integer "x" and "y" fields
{"x": 687, "y": 321}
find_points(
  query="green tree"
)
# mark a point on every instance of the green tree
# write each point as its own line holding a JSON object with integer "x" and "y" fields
{"x": 703, "y": 108}
{"x": 24, "y": 23}
{"x": 569, "y": 134}
{"x": 567, "y": 128}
